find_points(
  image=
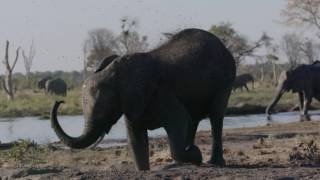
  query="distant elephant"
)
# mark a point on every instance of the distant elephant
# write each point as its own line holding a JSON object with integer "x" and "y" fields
{"x": 173, "y": 86}
{"x": 242, "y": 80}
{"x": 42, "y": 82}
{"x": 303, "y": 80}
{"x": 56, "y": 86}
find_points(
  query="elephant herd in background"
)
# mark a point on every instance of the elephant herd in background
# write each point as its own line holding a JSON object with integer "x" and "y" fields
{"x": 174, "y": 86}
{"x": 53, "y": 86}
{"x": 303, "y": 80}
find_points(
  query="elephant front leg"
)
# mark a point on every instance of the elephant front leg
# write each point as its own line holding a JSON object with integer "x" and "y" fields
{"x": 301, "y": 99}
{"x": 177, "y": 121}
{"x": 246, "y": 87}
{"x": 138, "y": 141}
{"x": 306, "y": 105}
{"x": 182, "y": 152}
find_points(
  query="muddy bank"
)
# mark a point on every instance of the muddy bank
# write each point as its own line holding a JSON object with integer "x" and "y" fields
{"x": 266, "y": 152}
{"x": 246, "y": 109}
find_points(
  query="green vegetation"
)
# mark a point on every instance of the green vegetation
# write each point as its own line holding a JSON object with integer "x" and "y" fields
{"x": 24, "y": 151}
{"x": 261, "y": 95}
{"x": 257, "y": 100}
{"x": 30, "y": 103}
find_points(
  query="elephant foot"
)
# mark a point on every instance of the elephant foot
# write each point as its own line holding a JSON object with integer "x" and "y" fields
{"x": 217, "y": 161}
{"x": 304, "y": 118}
{"x": 193, "y": 155}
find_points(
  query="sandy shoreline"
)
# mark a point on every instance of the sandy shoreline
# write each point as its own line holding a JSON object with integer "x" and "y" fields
{"x": 265, "y": 152}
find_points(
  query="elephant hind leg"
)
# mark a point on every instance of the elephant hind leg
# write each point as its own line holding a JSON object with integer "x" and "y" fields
{"x": 216, "y": 115}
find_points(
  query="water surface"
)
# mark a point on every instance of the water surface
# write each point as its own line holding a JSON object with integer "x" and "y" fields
{"x": 40, "y": 131}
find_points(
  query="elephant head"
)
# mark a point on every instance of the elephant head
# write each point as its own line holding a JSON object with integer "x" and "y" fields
{"x": 100, "y": 107}
{"x": 292, "y": 80}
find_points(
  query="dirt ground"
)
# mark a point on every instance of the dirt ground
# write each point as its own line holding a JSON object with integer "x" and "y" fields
{"x": 275, "y": 151}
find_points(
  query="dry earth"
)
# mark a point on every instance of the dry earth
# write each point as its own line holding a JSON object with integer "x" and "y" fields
{"x": 276, "y": 151}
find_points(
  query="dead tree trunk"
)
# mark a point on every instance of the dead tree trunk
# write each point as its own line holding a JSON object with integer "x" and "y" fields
{"x": 7, "y": 82}
{"x": 274, "y": 69}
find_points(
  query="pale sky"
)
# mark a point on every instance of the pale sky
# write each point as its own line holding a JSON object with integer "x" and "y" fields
{"x": 59, "y": 27}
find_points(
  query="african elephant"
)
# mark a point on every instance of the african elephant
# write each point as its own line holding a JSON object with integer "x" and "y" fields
{"x": 174, "y": 86}
{"x": 242, "y": 80}
{"x": 42, "y": 82}
{"x": 303, "y": 80}
{"x": 56, "y": 86}
{"x": 105, "y": 62}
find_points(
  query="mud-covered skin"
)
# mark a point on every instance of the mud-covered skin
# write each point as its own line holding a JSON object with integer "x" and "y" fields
{"x": 173, "y": 86}
{"x": 56, "y": 86}
{"x": 241, "y": 81}
{"x": 304, "y": 80}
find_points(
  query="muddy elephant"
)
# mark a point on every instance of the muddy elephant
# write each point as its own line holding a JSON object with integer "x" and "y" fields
{"x": 174, "y": 86}
{"x": 56, "y": 86}
{"x": 241, "y": 81}
{"x": 303, "y": 80}
{"x": 42, "y": 82}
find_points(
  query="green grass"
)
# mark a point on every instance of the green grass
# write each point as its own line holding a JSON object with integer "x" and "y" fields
{"x": 29, "y": 103}
{"x": 255, "y": 101}
{"x": 261, "y": 95}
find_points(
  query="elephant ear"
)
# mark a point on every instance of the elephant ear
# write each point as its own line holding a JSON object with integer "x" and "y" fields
{"x": 138, "y": 84}
{"x": 105, "y": 62}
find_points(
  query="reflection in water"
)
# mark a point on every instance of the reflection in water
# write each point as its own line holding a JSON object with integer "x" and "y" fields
{"x": 40, "y": 130}
{"x": 10, "y": 127}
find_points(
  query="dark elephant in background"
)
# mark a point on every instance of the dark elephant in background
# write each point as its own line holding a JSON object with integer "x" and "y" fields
{"x": 242, "y": 80}
{"x": 303, "y": 80}
{"x": 174, "y": 86}
{"x": 56, "y": 86}
{"x": 42, "y": 82}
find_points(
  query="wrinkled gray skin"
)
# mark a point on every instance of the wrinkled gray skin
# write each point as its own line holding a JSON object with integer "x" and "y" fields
{"x": 303, "y": 80}
{"x": 56, "y": 86}
{"x": 241, "y": 81}
{"x": 174, "y": 86}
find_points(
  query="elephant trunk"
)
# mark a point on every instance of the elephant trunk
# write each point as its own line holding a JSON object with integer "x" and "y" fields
{"x": 275, "y": 101}
{"x": 90, "y": 135}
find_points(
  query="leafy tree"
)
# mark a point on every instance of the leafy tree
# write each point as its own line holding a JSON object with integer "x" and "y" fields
{"x": 102, "y": 42}
{"x": 238, "y": 44}
{"x": 290, "y": 45}
{"x": 99, "y": 44}
{"x": 129, "y": 40}
{"x": 28, "y": 60}
{"x": 310, "y": 50}
{"x": 302, "y": 12}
